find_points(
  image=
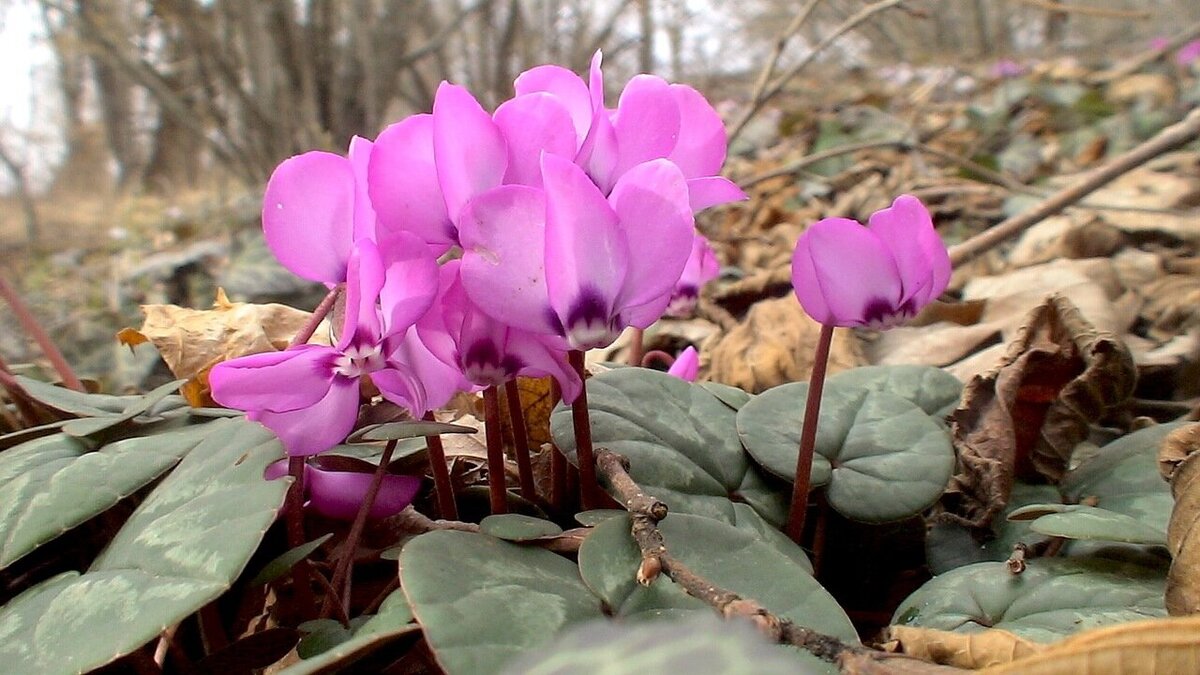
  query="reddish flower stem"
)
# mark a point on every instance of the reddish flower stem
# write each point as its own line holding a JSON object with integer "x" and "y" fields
{"x": 17, "y": 394}
{"x": 653, "y": 355}
{"x": 318, "y": 315}
{"x": 637, "y": 346}
{"x": 30, "y": 323}
{"x": 808, "y": 437}
{"x": 497, "y": 492}
{"x": 341, "y": 574}
{"x": 588, "y": 487}
{"x": 294, "y": 514}
{"x": 443, "y": 489}
{"x": 558, "y": 462}
{"x": 516, "y": 418}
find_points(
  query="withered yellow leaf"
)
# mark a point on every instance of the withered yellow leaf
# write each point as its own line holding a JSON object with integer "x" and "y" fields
{"x": 191, "y": 341}
{"x": 1139, "y": 648}
{"x": 961, "y": 650}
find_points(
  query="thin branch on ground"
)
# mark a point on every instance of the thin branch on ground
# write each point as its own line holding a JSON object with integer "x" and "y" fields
{"x": 39, "y": 335}
{"x": 646, "y": 511}
{"x": 1145, "y": 58}
{"x": 1166, "y": 140}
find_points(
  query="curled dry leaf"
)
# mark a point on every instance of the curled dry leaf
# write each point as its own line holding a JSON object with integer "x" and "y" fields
{"x": 1177, "y": 453}
{"x": 774, "y": 345}
{"x": 192, "y": 341}
{"x": 961, "y": 650}
{"x": 1139, "y": 647}
{"x": 1025, "y": 416}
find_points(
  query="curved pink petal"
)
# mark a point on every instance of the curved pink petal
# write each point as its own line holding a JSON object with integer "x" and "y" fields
{"x": 687, "y": 365}
{"x": 647, "y": 122}
{"x": 278, "y": 381}
{"x": 700, "y": 148}
{"x": 364, "y": 213}
{"x": 651, "y": 203}
{"x": 503, "y": 233}
{"x": 319, "y": 427}
{"x": 598, "y": 153}
{"x": 701, "y": 267}
{"x": 564, "y": 85}
{"x": 402, "y": 183}
{"x": 308, "y": 215}
{"x": 596, "y": 81}
{"x": 468, "y": 146}
{"x": 410, "y": 281}
{"x": 711, "y": 191}
{"x": 401, "y": 386}
{"x": 339, "y": 494}
{"x": 541, "y": 359}
{"x": 906, "y": 228}
{"x": 641, "y": 316}
{"x": 428, "y": 376}
{"x": 587, "y": 253}
{"x": 533, "y": 124}
{"x": 364, "y": 280}
{"x": 843, "y": 274}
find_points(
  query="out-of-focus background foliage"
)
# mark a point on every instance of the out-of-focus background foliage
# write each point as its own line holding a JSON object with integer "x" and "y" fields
{"x": 137, "y": 134}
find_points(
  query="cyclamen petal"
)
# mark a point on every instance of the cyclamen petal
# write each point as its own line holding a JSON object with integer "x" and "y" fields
{"x": 503, "y": 265}
{"x": 647, "y": 123}
{"x": 700, "y": 147}
{"x": 279, "y": 381}
{"x": 339, "y": 494}
{"x": 651, "y": 204}
{"x": 564, "y": 85}
{"x": 898, "y": 265}
{"x": 469, "y": 149}
{"x": 319, "y": 427}
{"x": 711, "y": 191}
{"x": 533, "y": 124}
{"x": 410, "y": 281}
{"x": 586, "y": 255}
{"x": 364, "y": 280}
{"x": 364, "y": 213}
{"x": 308, "y": 215}
{"x": 402, "y": 182}
{"x": 687, "y": 365}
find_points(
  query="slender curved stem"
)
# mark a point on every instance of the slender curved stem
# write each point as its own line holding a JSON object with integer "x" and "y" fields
{"x": 443, "y": 489}
{"x": 588, "y": 487}
{"x": 516, "y": 417}
{"x": 497, "y": 492}
{"x": 808, "y": 437}
{"x": 30, "y": 323}
{"x": 341, "y": 575}
{"x": 318, "y": 315}
{"x": 294, "y": 514}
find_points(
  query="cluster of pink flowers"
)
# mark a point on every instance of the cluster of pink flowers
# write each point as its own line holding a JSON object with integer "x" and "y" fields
{"x": 567, "y": 221}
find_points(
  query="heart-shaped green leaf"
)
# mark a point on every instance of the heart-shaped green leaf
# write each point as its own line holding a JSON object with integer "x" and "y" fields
{"x": 736, "y": 559}
{"x": 1080, "y": 521}
{"x": 80, "y": 404}
{"x": 932, "y": 389}
{"x": 882, "y": 456}
{"x": 49, "y": 485}
{"x": 680, "y": 439}
{"x": 179, "y": 550}
{"x": 394, "y": 619}
{"x": 483, "y": 601}
{"x": 1052, "y": 598}
{"x": 696, "y": 645}
{"x": 90, "y": 426}
{"x": 517, "y": 527}
{"x": 950, "y": 545}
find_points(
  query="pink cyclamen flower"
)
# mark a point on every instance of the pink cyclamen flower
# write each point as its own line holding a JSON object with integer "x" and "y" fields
{"x": 687, "y": 365}
{"x": 339, "y": 494}
{"x": 569, "y": 261}
{"x": 308, "y": 395}
{"x": 653, "y": 120}
{"x": 877, "y": 276}
{"x": 315, "y": 207}
{"x": 702, "y": 267}
{"x": 1188, "y": 54}
{"x": 1005, "y": 68}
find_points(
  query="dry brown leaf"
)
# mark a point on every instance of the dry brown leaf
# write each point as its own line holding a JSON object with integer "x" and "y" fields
{"x": 1175, "y": 448}
{"x": 1024, "y": 417}
{"x": 1172, "y": 305}
{"x": 191, "y": 341}
{"x": 1152, "y": 647}
{"x": 1180, "y": 463}
{"x": 961, "y": 650}
{"x": 774, "y": 345}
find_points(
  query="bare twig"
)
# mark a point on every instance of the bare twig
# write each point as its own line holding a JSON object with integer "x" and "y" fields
{"x": 768, "y": 69}
{"x": 1101, "y": 12}
{"x": 646, "y": 512}
{"x": 772, "y": 90}
{"x": 1166, "y": 140}
{"x": 1149, "y": 56}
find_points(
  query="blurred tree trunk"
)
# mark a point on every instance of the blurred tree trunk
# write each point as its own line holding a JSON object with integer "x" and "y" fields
{"x": 113, "y": 89}
{"x": 646, "y": 46}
